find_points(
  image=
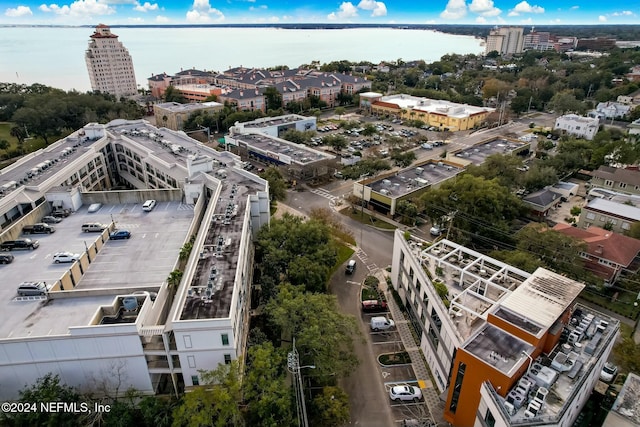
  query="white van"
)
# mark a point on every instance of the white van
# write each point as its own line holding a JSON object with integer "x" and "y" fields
{"x": 381, "y": 323}
{"x": 351, "y": 267}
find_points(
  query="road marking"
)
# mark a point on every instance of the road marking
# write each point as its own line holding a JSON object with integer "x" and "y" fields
{"x": 324, "y": 193}
{"x": 352, "y": 282}
{"x": 385, "y": 374}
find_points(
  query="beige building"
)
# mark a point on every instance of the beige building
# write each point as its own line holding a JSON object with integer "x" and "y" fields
{"x": 109, "y": 64}
{"x": 506, "y": 40}
{"x": 443, "y": 115}
{"x": 172, "y": 115}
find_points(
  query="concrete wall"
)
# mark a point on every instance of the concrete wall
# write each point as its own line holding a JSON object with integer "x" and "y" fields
{"x": 15, "y": 230}
{"x": 132, "y": 196}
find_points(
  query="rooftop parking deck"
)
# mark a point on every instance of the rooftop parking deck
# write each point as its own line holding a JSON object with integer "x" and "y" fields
{"x": 281, "y": 150}
{"x": 142, "y": 262}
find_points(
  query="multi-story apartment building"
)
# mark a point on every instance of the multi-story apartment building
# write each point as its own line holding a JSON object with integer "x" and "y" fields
{"x": 245, "y": 99}
{"x": 172, "y": 115}
{"x": 616, "y": 179}
{"x": 275, "y": 126}
{"x": 109, "y": 64}
{"x": 187, "y": 80}
{"x": 122, "y": 327}
{"x": 506, "y": 347}
{"x": 505, "y": 40}
{"x": 596, "y": 43}
{"x": 537, "y": 40}
{"x": 608, "y": 254}
{"x": 438, "y": 113}
{"x": 582, "y": 127}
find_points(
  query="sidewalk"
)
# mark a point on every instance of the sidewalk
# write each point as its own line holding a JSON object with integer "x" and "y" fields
{"x": 429, "y": 392}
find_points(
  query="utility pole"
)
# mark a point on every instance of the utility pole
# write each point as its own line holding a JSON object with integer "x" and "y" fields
{"x": 293, "y": 366}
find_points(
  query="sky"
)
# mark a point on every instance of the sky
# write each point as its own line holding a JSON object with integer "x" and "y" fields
{"x": 491, "y": 12}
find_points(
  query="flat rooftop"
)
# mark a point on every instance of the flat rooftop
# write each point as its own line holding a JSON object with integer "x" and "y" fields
{"x": 437, "y": 106}
{"x": 409, "y": 180}
{"x": 479, "y": 153}
{"x": 211, "y": 289}
{"x": 627, "y": 404}
{"x": 142, "y": 262}
{"x": 497, "y": 348}
{"x": 285, "y": 151}
{"x": 273, "y": 121}
{"x": 186, "y": 108}
{"x": 621, "y": 210}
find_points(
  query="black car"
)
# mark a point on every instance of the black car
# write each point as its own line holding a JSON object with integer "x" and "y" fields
{"x": 120, "y": 234}
{"x": 6, "y": 258}
{"x": 11, "y": 245}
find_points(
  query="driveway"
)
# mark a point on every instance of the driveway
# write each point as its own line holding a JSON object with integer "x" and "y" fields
{"x": 368, "y": 398}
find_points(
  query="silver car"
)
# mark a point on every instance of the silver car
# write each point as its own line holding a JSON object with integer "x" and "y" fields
{"x": 405, "y": 393}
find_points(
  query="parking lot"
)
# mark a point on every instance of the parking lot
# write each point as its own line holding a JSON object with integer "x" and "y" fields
{"x": 146, "y": 258}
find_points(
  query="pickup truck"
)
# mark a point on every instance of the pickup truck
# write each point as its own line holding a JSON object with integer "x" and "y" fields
{"x": 39, "y": 228}
{"x": 11, "y": 245}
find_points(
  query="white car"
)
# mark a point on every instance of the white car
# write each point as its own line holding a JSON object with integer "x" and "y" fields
{"x": 65, "y": 257}
{"x": 435, "y": 231}
{"x": 405, "y": 393}
{"x": 149, "y": 205}
{"x": 608, "y": 373}
{"x": 94, "y": 207}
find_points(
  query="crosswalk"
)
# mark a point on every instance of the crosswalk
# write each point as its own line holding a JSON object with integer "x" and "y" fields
{"x": 362, "y": 255}
{"x": 324, "y": 193}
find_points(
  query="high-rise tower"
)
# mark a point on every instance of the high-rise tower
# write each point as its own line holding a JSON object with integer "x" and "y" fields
{"x": 109, "y": 64}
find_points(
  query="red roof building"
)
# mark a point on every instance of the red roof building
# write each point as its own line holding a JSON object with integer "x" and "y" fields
{"x": 608, "y": 254}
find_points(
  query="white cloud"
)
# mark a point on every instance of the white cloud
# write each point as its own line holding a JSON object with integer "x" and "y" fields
{"x": 201, "y": 11}
{"x": 623, "y": 13}
{"x": 377, "y": 8}
{"x": 602, "y": 18}
{"x": 524, "y": 7}
{"x": 18, "y": 12}
{"x": 146, "y": 7}
{"x": 161, "y": 19}
{"x": 347, "y": 10}
{"x": 481, "y": 20}
{"x": 484, "y": 8}
{"x": 455, "y": 9}
{"x": 574, "y": 7}
{"x": 80, "y": 9}
{"x": 136, "y": 20}
{"x": 261, "y": 7}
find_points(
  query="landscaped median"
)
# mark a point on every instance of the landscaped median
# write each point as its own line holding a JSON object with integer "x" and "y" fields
{"x": 398, "y": 358}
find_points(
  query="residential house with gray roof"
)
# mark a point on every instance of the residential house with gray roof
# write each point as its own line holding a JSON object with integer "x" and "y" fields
{"x": 616, "y": 179}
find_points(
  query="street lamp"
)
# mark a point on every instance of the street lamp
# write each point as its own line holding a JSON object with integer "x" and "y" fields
{"x": 362, "y": 178}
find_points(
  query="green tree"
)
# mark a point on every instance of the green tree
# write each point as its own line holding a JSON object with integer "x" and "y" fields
{"x": 156, "y": 411}
{"x": 403, "y": 158}
{"x": 566, "y": 101}
{"x": 407, "y": 211}
{"x": 331, "y": 407}
{"x": 277, "y": 184}
{"x": 267, "y": 395}
{"x": 634, "y": 230}
{"x": 4, "y": 145}
{"x": 504, "y": 168}
{"x": 215, "y": 403}
{"x": 273, "y": 98}
{"x": 539, "y": 176}
{"x": 46, "y": 389}
{"x": 324, "y": 336}
{"x": 339, "y": 111}
{"x": 627, "y": 355}
{"x": 523, "y": 260}
{"x": 171, "y": 94}
{"x": 337, "y": 142}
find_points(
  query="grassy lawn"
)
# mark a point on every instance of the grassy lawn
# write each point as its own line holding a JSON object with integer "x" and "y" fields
{"x": 365, "y": 218}
{"x": 623, "y": 305}
{"x": 31, "y": 144}
{"x": 344, "y": 253}
{"x": 369, "y": 293}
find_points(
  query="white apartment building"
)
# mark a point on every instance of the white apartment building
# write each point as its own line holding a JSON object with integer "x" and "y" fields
{"x": 109, "y": 64}
{"x": 126, "y": 327}
{"x": 506, "y": 40}
{"x": 506, "y": 347}
{"x": 582, "y": 127}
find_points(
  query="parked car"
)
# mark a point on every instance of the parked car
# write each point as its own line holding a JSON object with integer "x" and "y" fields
{"x": 94, "y": 207}
{"x": 374, "y": 306}
{"x": 40, "y": 228}
{"x": 32, "y": 289}
{"x": 50, "y": 219}
{"x": 435, "y": 231}
{"x": 405, "y": 393}
{"x": 381, "y": 323}
{"x": 93, "y": 227}
{"x": 17, "y": 244}
{"x": 6, "y": 258}
{"x": 65, "y": 257}
{"x": 149, "y": 205}
{"x": 609, "y": 372}
{"x": 120, "y": 234}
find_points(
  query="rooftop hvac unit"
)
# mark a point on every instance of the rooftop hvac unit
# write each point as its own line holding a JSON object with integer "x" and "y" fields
{"x": 419, "y": 171}
{"x": 386, "y": 182}
{"x": 130, "y": 303}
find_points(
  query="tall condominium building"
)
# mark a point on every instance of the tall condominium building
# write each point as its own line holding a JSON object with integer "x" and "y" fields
{"x": 506, "y": 40}
{"x": 109, "y": 64}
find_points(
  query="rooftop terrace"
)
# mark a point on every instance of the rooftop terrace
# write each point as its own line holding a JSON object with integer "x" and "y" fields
{"x": 273, "y": 121}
